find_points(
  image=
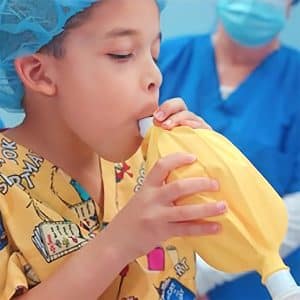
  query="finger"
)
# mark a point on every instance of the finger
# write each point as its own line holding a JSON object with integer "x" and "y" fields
{"x": 184, "y": 118}
{"x": 186, "y": 187}
{"x": 185, "y": 213}
{"x": 165, "y": 165}
{"x": 175, "y": 119}
{"x": 195, "y": 229}
{"x": 169, "y": 108}
{"x": 196, "y": 124}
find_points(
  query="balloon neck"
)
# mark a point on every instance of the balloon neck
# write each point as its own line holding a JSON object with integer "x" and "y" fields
{"x": 144, "y": 125}
{"x": 271, "y": 264}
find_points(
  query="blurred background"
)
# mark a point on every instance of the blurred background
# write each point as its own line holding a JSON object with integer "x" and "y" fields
{"x": 198, "y": 16}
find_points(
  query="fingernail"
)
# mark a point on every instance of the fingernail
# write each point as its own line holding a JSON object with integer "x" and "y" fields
{"x": 215, "y": 184}
{"x": 168, "y": 123}
{"x": 159, "y": 115}
{"x": 191, "y": 157}
{"x": 216, "y": 227}
{"x": 221, "y": 206}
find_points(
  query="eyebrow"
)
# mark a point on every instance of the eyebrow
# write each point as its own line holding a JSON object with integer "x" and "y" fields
{"x": 124, "y": 32}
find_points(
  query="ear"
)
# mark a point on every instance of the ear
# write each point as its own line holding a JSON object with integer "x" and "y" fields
{"x": 35, "y": 72}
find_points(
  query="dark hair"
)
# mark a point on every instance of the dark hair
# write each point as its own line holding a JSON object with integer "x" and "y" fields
{"x": 56, "y": 46}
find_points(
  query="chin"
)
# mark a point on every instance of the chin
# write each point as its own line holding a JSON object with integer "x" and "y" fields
{"x": 121, "y": 154}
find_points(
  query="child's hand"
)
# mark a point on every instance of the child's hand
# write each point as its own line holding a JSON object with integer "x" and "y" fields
{"x": 173, "y": 113}
{"x": 151, "y": 216}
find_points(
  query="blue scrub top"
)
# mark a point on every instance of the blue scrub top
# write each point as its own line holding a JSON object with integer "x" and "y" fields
{"x": 1, "y": 124}
{"x": 261, "y": 117}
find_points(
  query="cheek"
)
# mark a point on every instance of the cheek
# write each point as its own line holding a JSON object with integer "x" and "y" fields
{"x": 97, "y": 98}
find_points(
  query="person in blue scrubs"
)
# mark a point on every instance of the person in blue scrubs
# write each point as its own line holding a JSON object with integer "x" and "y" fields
{"x": 246, "y": 85}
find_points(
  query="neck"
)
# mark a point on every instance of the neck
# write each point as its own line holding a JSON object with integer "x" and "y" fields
{"x": 234, "y": 54}
{"x": 44, "y": 132}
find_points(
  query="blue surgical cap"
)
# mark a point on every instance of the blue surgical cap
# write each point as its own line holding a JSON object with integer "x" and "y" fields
{"x": 25, "y": 27}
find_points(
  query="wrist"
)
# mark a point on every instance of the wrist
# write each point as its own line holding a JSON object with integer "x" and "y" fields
{"x": 116, "y": 248}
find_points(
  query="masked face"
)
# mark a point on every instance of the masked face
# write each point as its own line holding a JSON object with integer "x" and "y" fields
{"x": 252, "y": 23}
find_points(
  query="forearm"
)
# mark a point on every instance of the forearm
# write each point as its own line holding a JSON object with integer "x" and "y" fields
{"x": 85, "y": 275}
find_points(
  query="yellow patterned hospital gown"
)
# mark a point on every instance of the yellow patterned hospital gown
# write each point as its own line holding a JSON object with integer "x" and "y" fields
{"x": 45, "y": 216}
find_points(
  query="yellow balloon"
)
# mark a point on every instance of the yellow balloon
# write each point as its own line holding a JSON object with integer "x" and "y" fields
{"x": 256, "y": 222}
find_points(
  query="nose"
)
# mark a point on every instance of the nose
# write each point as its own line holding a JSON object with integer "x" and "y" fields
{"x": 152, "y": 78}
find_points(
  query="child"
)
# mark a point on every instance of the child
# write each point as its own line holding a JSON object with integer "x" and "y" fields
{"x": 88, "y": 75}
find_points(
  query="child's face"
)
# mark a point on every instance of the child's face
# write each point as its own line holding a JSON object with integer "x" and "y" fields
{"x": 108, "y": 78}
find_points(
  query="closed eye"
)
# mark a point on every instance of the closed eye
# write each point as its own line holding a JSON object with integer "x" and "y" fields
{"x": 120, "y": 56}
